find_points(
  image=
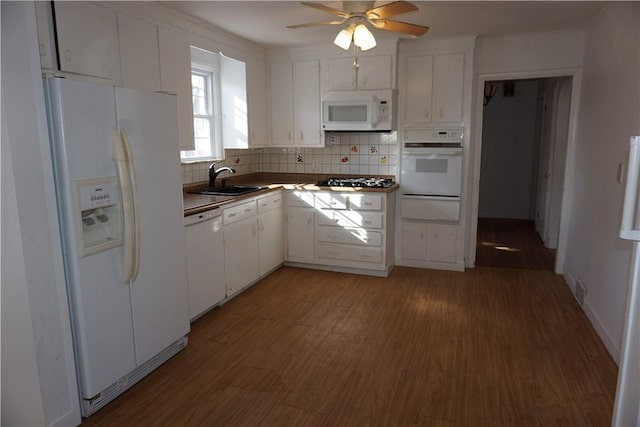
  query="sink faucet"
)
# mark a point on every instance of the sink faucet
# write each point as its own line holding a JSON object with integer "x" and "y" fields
{"x": 213, "y": 173}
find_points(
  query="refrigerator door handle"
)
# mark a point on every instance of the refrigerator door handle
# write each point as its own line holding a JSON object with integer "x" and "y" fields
{"x": 133, "y": 183}
{"x": 119, "y": 156}
{"x": 631, "y": 192}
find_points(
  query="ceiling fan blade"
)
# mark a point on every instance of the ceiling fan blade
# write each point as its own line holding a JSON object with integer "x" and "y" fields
{"x": 399, "y": 27}
{"x": 391, "y": 9}
{"x": 316, "y": 24}
{"x": 320, "y": 6}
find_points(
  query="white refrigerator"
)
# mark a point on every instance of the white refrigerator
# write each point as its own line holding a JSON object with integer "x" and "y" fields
{"x": 626, "y": 411}
{"x": 119, "y": 194}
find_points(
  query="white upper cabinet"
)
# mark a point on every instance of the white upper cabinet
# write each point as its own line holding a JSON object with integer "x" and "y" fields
{"x": 175, "y": 77}
{"x": 281, "y": 97}
{"x": 295, "y": 103}
{"x": 139, "y": 59}
{"x": 419, "y": 79}
{"x": 306, "y": 103}
{"x": 434, "y": 89}
{"x": 257, "y": 99}
{"x": 373, "y": 73}
{"x": 87, "y": 35}
{"x": 448, "y": 77}
{"x": 342, "y": 74}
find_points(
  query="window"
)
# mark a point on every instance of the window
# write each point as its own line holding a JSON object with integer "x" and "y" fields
{"x": 219, "y": 97}
{"x": 204, "y": 125}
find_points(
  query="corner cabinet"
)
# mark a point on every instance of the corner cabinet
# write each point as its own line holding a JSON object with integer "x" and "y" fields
{"x": 337, "y": 231}
{"x": 434, "y": 89}
{"x": 295, "y": 103}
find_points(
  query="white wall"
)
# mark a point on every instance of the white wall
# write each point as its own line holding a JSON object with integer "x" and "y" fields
{"x": 609, "y": 114}
{"x": 509, "y": 153}
{"x": 38, "y": 371}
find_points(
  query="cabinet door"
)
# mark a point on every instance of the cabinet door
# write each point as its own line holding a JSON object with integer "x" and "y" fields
{"x": 448, "y": 77}
{"x": 281, "y": 94}
{"x": 46, "y": 36}
{"x": 241, "y": 254}
{"x": 443, "y": 243}
{"x": 375, "y": 72}
{"x": 271, "y": 240}
{"x": 175, "y": 77}
{"x": 87, "y": 35}
{"x": 257, "y": 100}
{"x": 139, "y": 60}
{"x": 306, "y": 103}
{"x": 341, "y": 74}
{"x": 417, "y": 104}
{"x": 300, "y": 235}
{"x": 414, "y": 242}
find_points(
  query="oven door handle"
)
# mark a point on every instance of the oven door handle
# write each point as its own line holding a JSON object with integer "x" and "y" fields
{"x": 435, "y": 150}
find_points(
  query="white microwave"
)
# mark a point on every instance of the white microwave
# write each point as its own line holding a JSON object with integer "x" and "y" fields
{"x": 364, "y": 110}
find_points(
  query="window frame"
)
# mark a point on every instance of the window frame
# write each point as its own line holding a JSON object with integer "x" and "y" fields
{"x": 211, "y": 72}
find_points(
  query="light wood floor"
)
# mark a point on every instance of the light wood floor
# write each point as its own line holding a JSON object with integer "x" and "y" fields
{"x": 511, "y": 243}
{"x": 488, "y": 347}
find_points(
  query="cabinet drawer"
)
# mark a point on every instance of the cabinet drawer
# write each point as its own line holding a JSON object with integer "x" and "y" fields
{"x": 350, "y": 253}
{"x": 365, "y": 202}
{"x": 269, "y": 202}
{"x": 353, "y": 236}
{"x": 303, "y": 199}
{"x": 237, "y": 213}
{"x": 351, "y": 219}
{"x": 331, "y": 201}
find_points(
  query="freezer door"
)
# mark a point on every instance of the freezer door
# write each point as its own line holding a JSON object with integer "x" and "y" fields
{"x": 81, "y": 117}
{"x": 159, "y": 293}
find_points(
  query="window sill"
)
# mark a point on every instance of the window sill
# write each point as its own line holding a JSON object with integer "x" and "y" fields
{"x": 194, "y": 162}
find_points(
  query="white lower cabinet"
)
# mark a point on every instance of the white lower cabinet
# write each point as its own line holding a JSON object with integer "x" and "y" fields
{"x": 300, "y": 227}
{"x": 270, "y": 233}
{"x": 341, "y": 231}
{"x": 429, "y": 243}
{"x": 253, "y": 240}
{"x": 241, "y": 254}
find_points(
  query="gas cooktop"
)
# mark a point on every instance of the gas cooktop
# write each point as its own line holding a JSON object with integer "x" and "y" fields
{"x": 368, "y": 182}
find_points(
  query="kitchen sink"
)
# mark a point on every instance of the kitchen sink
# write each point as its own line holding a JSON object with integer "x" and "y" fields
{"x": 235, "y": 190}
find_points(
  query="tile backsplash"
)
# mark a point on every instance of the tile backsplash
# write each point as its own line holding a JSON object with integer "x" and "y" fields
{"x": 344, "y": 153}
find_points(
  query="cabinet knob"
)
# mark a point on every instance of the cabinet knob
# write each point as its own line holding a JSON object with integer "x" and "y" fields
{"x": 301, "y": 136}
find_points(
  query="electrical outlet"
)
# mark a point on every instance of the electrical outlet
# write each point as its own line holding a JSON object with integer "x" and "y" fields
{"x": 619, "y": 174}
{"x": 581, "y": 292}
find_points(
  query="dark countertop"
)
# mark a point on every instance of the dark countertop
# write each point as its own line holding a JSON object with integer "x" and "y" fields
{"x": 196, "y": 203}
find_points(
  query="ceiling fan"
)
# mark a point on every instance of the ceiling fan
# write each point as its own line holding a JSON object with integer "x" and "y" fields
{"x": 356, "y": 14}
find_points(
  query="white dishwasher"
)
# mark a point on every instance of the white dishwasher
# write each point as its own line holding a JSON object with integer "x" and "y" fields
{"x": 205, "y": 261}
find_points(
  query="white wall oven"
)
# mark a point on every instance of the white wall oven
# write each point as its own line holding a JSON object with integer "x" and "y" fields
{"x": 432, "y": 174}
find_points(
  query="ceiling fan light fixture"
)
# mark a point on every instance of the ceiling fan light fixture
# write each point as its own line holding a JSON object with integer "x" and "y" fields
{"x": 344, "y": 37}
{"x": 363, "y": 38}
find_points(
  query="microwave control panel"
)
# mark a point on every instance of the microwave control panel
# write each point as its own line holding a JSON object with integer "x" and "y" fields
{"x": 383, "y": 111}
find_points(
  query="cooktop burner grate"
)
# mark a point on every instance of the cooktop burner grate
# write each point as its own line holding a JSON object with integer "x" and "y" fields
{"x": 369, "y": 182}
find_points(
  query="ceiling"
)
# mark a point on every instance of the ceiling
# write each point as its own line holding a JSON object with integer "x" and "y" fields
{"x": 264, "y": 22}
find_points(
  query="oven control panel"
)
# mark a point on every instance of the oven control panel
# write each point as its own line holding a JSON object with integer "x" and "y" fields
{"x": 450, "y": 135}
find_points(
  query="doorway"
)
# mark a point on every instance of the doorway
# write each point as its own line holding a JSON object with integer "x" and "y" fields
{"x": 524, "y": 144}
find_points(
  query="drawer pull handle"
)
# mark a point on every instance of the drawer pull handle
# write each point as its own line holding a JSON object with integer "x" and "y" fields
{"x": 231, "y": 215}
{"x": 248, "y": 210}
{"x": 366, "y": 222}
{"x": 332, "y": 252}
{"x": 365, "y": 256}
